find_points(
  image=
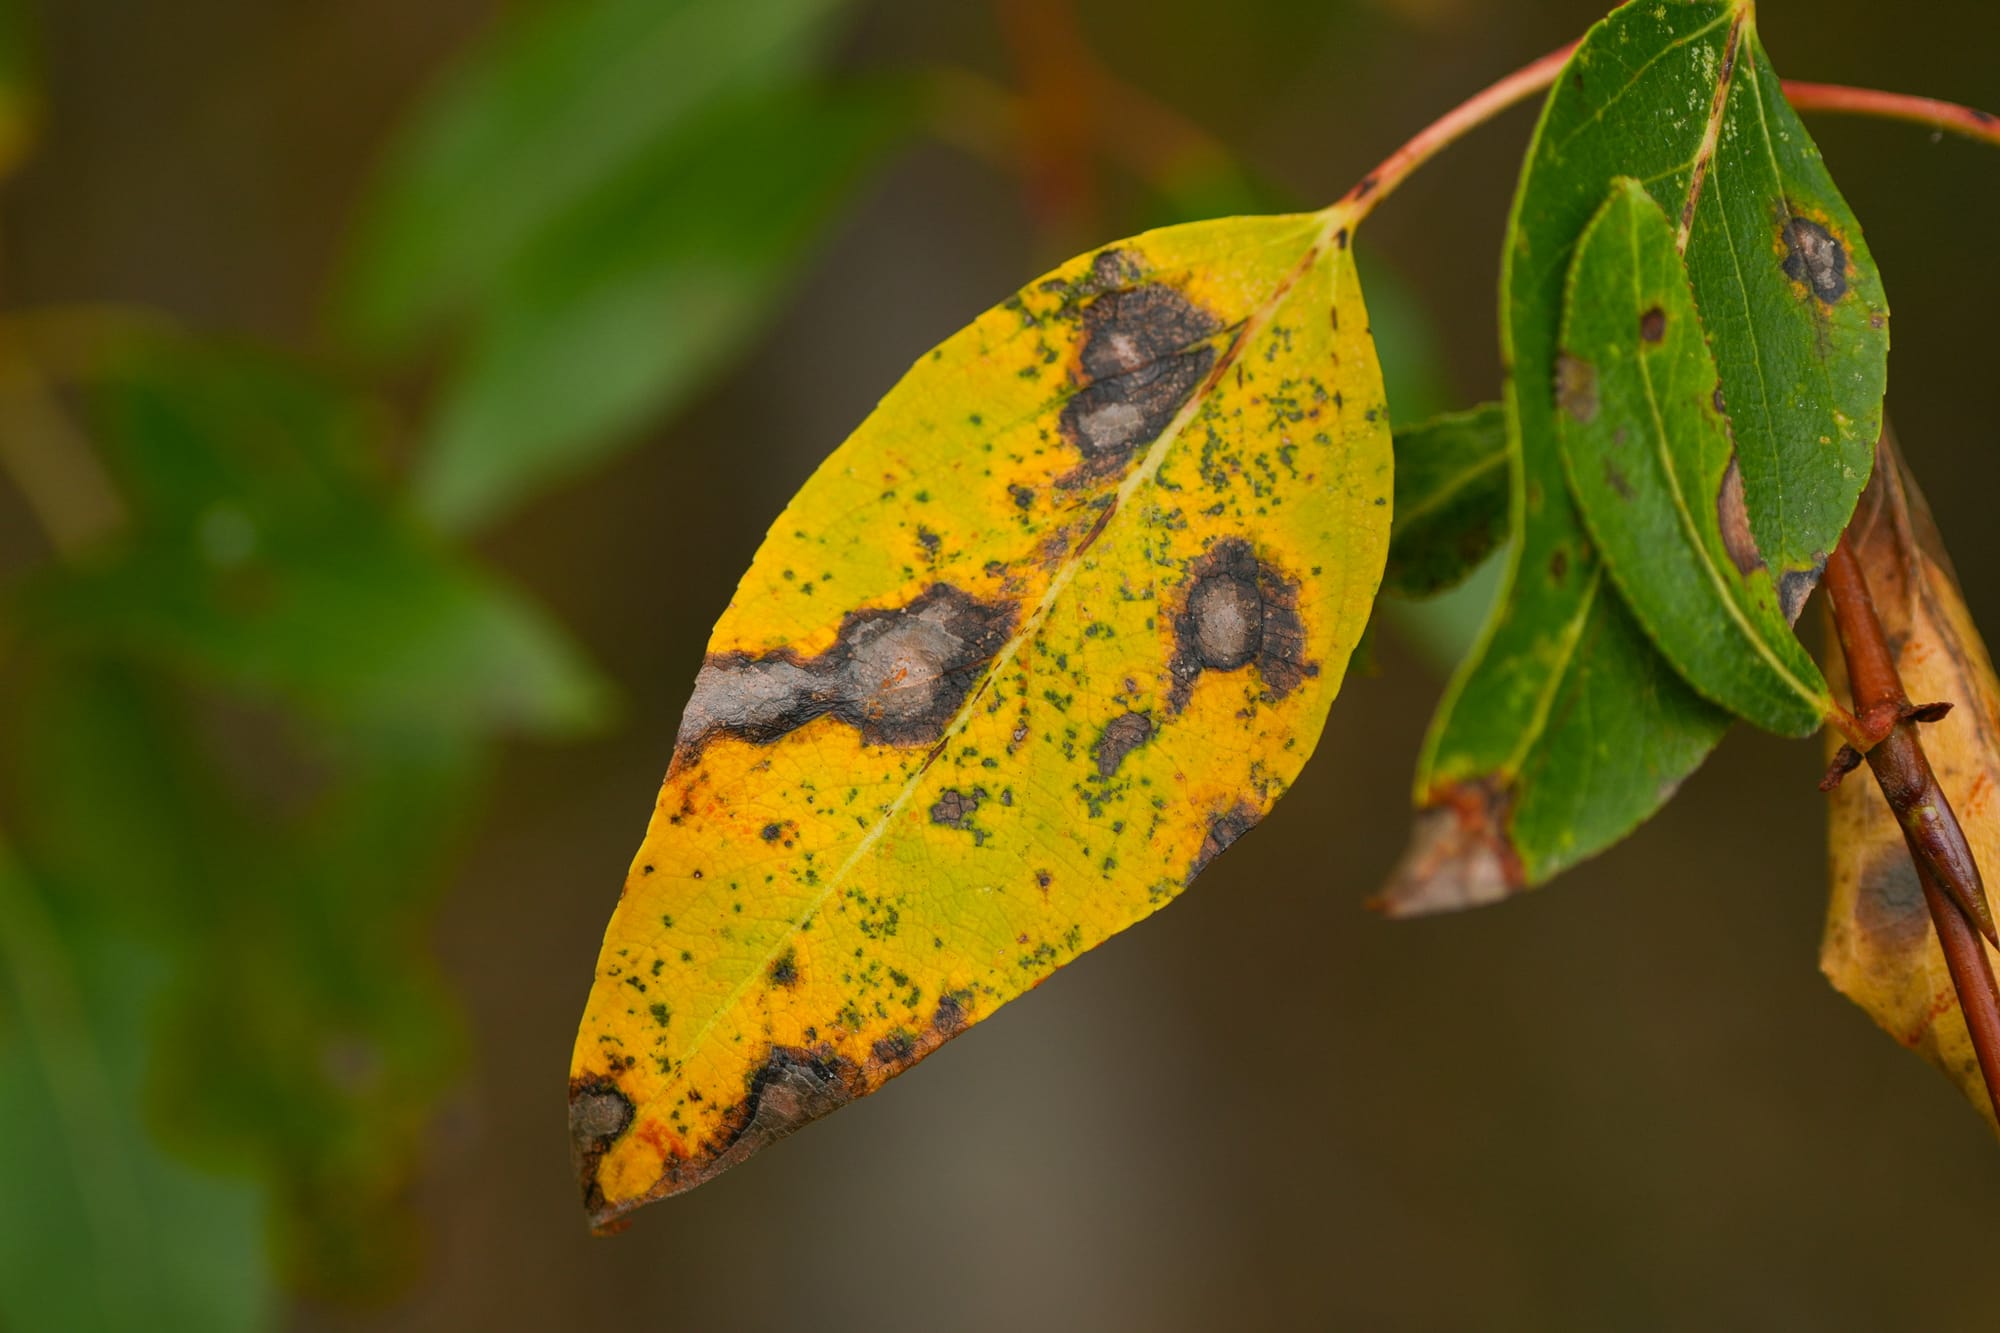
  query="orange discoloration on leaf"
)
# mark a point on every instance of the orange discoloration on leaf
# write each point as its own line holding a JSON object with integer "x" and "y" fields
{"x": 1058, "y": 623}
{"x": 1880, "y": 949}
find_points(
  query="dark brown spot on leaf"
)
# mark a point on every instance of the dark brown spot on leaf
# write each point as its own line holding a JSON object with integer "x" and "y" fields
{"x": 1653, "y": 325}
{"x": 1889, "y": 902}
{"x": 1815, "y": 258}
{"x": 1224, "y": 829}
{"x": 954, "y": 1014}
{"x": 1239, "y": 610}
{"x": 1733, "y": 517}
{"x": 1795, "y": 585}
{"x": 785, "y": 969}
{"x": 954, "y": 807}
{"x": 1144, "y": 352}
{"x": 793, "y": 1087}
{"x": 1121, "y": 735}
{"x": 895, "y": 1049}
{"x": 1576, "y": 388}
{"x": 772, "y": 832}
{"x": 898, "y": 676}
{"x": 598, "y": 1113}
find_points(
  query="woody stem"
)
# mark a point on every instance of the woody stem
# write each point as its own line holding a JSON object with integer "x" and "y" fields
{"x": 1950, "y": 877}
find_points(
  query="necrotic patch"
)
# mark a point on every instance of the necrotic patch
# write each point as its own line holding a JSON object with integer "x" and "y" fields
{"x": 1121, "y": 735}
{"x": 1144, "y": 352}
{"x": 793, "y": 1087}
{"x": 1223, "y": 829}
{"x": 898, "y": 676}
{"x": 1815, "y": 257}
{"x": 954, "y": 807}
{"x": 1889, "y": 903}
{"x": 1239, "y": 610}
{"x": 598, "y": 1113}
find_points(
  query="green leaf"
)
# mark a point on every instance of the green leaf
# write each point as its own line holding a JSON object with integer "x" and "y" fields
{"x": 1542, "y": 755}
{"x": 266, "y": 554}
{"x": 556, "y": 105}
{"x": 1797, "y": 318}
{"x": 299, "y": 1031}
{"x": 1653, "y": 470}
{"x": 98, "y": 1228}
{"x": 1451, "y": 500}
{"x": 630, "y": 303}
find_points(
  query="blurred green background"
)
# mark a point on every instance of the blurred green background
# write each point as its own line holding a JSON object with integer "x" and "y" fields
{"x": 390, "y": 395}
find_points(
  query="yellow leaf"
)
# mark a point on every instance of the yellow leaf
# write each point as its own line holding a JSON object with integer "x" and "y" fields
{"x": 1055, "y": 626}
{"x": 1880, "y": 949}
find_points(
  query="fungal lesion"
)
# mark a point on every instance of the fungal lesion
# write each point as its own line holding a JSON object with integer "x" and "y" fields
{"x": 1814, "y": 258}
{"x": 898, "y": 676}
{"x": 1224, "y": 828}
{"x": 599, "y": 1114}
{"x": 1238, "y": 611}
{"x": 1121, "y": 735}
{"x": 1146, "y": 349}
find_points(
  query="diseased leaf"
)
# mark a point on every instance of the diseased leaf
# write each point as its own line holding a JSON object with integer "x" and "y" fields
{"x": 1880, "y": 948}
{"x": 1566, "y": 729}
{"x": 631, "y": 301}
{"x": 1797, "y": 318}
{"x": 1654, "y": 473}
{"x": 558, "y": 104}
{"x": 1057, "y": 624}
{"x": 1451, "y": 500}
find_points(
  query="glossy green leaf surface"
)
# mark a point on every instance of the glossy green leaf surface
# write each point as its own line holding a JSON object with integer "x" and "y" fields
{"x": 1566, "y": 728}
{"x": 1451, "y": 500}
{"x": 1654, "y": 473}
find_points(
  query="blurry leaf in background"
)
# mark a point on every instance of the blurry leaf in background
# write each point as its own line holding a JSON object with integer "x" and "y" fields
{"x": 302, "y": 1033}
{"x": 1451, "y": 500}
{"x": 266, "y": 551}
{"x": 1880, "y": 948}
{"x": 608, "y": 198}
{"x": 20, "y": 90}
{"x": 557, "y": 104}
{"x": 282, "y": 693}
{"x": 638, "y": 296}
{"x": 99, "y": 1230}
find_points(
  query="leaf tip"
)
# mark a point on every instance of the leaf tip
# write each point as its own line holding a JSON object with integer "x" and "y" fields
{"x": 1458, "y": 857}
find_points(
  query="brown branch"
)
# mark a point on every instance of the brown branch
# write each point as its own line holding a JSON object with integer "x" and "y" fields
{"x": 1945, "y": 867}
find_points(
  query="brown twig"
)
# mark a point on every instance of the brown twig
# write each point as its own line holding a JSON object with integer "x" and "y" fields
{"x": 1944, "y": 117}
{"x": 1945, "y": 867}
{"x": 1058, "y": 111}
{"x": 1447, "y": 129}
